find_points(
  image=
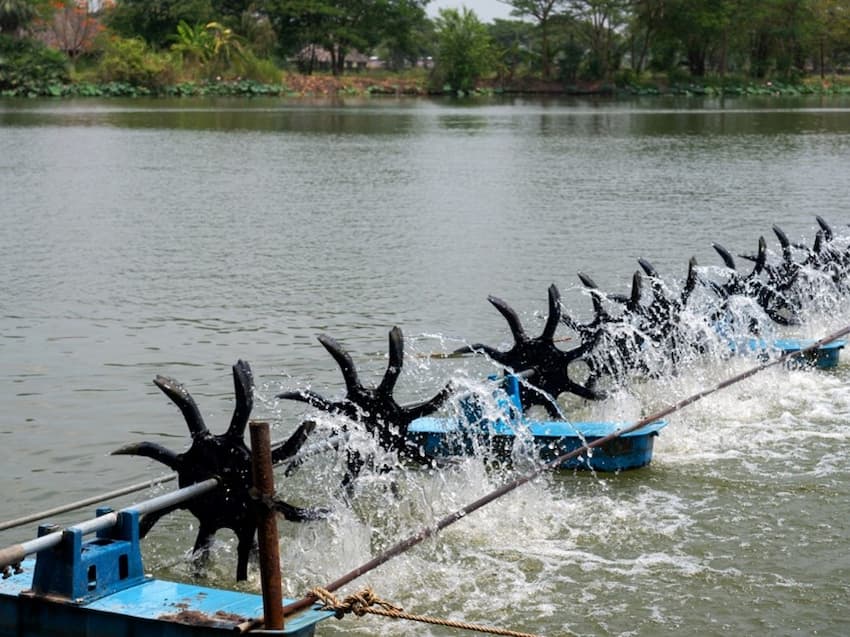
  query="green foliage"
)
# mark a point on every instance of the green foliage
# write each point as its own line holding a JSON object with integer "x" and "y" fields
{"x": 255, "y": 69}
{"x": 513, "y": 43}
{"x": 260, "y": 36}
{"x": 28, "y": 67}
{"x": 569, "y": 60}
{"x": 598, "y": 26}
{"x": 464, "y": 52}
{"x": 335, "y": 25}
{"x": 406, "y": 33}
{"x": 16, "y": 14}
{"x": 214, "y": 50}
{"x": 226, "y": 45}
{"x": 194, "y": 43}
{"x": 340, "y": 26}
{"x": 130, "y": 61}
{"x": 155, "y": 21}
{"x": 544, "y": 12}
{"x": 693, "y": 47}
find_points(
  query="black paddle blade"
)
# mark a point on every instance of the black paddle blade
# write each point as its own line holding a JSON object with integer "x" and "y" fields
{"x": 827, "y": 230}
{"x": 299, "y": 514}
{"x": 648, "y": 268}
{"x": 587, "y": 281}
{"x": 181, "y": 397}
{"x": 310, "y": 397}
{"x": 725, "y": 255}
{"x": 151, "y": 450}
{"x": 243, "y": 390}
{"x": 344, "y": 360}
{"x": 511, "y": 317}
{"x": 294, "y": 443}
{"x": 396, "y": 361}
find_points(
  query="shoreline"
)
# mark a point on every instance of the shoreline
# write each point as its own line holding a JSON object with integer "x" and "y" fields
{"x": 296, "y": 85}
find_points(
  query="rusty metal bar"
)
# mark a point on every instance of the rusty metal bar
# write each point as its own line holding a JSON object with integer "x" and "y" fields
{"x": 263, "y": 475}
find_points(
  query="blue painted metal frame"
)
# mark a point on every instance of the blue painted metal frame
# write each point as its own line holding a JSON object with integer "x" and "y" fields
{"x": 97, "y": 588}
{"x": 84, "y": 571}
{"x": 824, "y": 357}
{"x": 442, "y": 437}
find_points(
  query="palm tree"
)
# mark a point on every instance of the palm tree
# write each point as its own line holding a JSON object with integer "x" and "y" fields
{"x": 195, "y": 43}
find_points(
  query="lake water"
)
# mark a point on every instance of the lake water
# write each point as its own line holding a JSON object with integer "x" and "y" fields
{"x": 176, "y": 237}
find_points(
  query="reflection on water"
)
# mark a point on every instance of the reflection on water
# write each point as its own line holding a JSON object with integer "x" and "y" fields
{"x": 177, "y": 236}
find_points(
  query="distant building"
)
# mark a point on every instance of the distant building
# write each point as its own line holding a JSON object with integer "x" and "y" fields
{"x": 314, "y": 57}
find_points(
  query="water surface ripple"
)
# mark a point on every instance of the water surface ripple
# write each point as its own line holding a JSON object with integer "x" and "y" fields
{"x": 174, "y": 237}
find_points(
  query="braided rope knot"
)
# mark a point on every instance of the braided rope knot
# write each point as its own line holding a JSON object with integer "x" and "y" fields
{"x": 358, "y": 603}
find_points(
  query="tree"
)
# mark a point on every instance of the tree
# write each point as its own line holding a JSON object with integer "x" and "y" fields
{"x": 464, "y": 49}
{"x": 16, "y": 14}
{"x": 71, "y": 28}
{"x": 690, "y": 29}
{"x": 194, "y": 43}
{"x": 542, "y": 11}
{"x": 513, "y": 41}
{"x": 257, "y": 29}
{"x": 298, "y": 24}
{"x": 646, "y": 19}
{"x": 775, "y": 34}
{"x": 340, "y": 26}
{"x": 156, "y": 20}
{"x": 829, "y": 32}
{"x": 231, "y": 10}
{"x": 406, "y": 32}
{"x": 600, "y": 22}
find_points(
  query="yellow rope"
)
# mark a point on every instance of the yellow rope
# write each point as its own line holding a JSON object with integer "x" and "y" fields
{"x": 363, "y": 601}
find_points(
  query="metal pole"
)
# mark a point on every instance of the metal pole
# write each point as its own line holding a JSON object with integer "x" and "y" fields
{"x": 79, "y": 504}
{"x": 261, "y": 463}
{"x": 15, "y": 553}
{"x": 132, "y": 488}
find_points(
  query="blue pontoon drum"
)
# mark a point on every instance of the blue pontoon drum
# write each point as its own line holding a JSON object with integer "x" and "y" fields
{"x": 498, "y": 436}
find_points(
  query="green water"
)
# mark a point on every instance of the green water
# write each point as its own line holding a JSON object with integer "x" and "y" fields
{"x": 176, "y": 236}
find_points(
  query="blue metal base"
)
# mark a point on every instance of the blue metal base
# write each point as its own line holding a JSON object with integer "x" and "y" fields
{"x": 824, "y": 357}
{"x": 97, "y": 588}
{"x": 446, "y": 437}
{"x": 153, "y": 608}
{"x": 442, "y": 437}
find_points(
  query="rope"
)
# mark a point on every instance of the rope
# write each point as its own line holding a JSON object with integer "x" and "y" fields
{"x": 364, "y": 600}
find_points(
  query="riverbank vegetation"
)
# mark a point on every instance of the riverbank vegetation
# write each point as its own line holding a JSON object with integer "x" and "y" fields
{"x": 320, "y": 47}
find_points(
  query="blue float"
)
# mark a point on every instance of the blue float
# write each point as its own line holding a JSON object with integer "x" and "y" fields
{"x": 823, "y": 357}
{"x": 475, "y": 432}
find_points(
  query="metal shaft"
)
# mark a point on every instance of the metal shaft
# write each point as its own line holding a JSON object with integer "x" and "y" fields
{"x": 263, "y": 474}
{"x": 79, "y": 504}
{"x": 15, "y": 553}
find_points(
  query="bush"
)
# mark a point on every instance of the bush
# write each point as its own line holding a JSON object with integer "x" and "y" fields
{"x": 259, "y": 70}
{"x": 464, "y": 51}
{"x": 28, "y": 67}
{"x": 130, "y": 61}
